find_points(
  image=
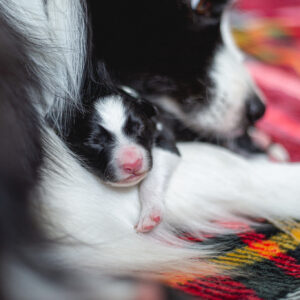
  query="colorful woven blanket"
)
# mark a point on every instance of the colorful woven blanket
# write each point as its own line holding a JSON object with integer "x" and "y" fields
{"x": 264, "y": 263}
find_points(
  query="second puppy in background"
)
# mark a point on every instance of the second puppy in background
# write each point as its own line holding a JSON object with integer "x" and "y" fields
{"x": 123, "y": 140}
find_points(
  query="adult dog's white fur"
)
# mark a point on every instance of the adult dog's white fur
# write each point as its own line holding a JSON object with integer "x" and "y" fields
{"x": 93, "y": 224}
{"x": 210, "y": 184}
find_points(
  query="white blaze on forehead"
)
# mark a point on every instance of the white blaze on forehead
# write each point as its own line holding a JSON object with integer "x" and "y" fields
{"x": 112, "y": 113}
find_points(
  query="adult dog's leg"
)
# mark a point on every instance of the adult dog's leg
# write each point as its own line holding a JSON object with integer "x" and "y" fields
{"x": 214, "y": 184}
{"x": 209, "y": 184}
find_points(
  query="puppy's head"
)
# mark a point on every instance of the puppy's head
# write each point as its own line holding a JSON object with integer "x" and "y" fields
{"x": 117, "y": 139}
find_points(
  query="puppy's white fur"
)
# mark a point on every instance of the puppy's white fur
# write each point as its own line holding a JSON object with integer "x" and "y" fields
{"x": 153, "y": 189}
{"x": 112, "y": 113}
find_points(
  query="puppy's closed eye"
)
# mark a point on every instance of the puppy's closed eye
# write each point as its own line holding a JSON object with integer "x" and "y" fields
{"x": 134, "y": 126}
{"x": 98, "y": 139}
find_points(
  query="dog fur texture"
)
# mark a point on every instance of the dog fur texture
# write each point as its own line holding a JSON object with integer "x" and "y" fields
{"x": 89, "y": 225}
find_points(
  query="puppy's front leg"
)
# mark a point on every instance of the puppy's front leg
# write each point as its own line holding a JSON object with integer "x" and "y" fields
{"x": 153, "y": 187}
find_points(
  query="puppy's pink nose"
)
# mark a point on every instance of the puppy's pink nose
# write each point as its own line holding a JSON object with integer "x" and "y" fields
{"x": 130, "y": 160}
{"x": 132, "y": 167}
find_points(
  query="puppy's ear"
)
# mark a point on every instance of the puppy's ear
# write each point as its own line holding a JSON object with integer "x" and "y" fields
{"x": 145, "y": 106}
{"x": 149, "y": 109}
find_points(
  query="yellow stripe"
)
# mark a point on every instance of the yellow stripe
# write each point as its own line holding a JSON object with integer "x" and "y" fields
{"x": 285, "y": 241}
{"x": 237, "y": 257}
{"x": 288, "y": 226}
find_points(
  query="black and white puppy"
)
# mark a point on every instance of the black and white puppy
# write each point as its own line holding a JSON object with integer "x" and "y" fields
{"x": 124, "y": 141}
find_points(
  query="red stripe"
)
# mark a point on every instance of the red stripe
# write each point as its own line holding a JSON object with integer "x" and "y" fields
{"x": 228, "y": 286}
{"x": 219, "y": 288}
{"x": 227, "y": 280}
{"x": 198, "y": 291}
{"x": 251, "y": 237}
{"x": 288, "y": 264}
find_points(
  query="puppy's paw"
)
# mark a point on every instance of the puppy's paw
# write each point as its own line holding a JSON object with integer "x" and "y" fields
{"x": 149, "y": 219}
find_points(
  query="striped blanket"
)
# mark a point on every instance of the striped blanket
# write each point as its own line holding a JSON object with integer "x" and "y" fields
{"x": 265, "y": 262}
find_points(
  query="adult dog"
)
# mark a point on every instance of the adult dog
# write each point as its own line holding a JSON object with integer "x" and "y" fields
{"x": 57, "y": 218}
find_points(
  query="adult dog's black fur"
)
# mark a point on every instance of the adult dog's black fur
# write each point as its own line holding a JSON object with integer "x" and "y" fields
{"x": 176, "y": 57}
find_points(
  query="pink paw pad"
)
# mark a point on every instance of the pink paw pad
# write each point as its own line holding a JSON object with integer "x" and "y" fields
{"x": 155, "y": 218}
{"x": 146, "y": 224}
{"x": 147, "y": 228}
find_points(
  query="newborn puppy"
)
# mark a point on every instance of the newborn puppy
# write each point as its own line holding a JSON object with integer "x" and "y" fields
{"x": 120, "y": 137}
